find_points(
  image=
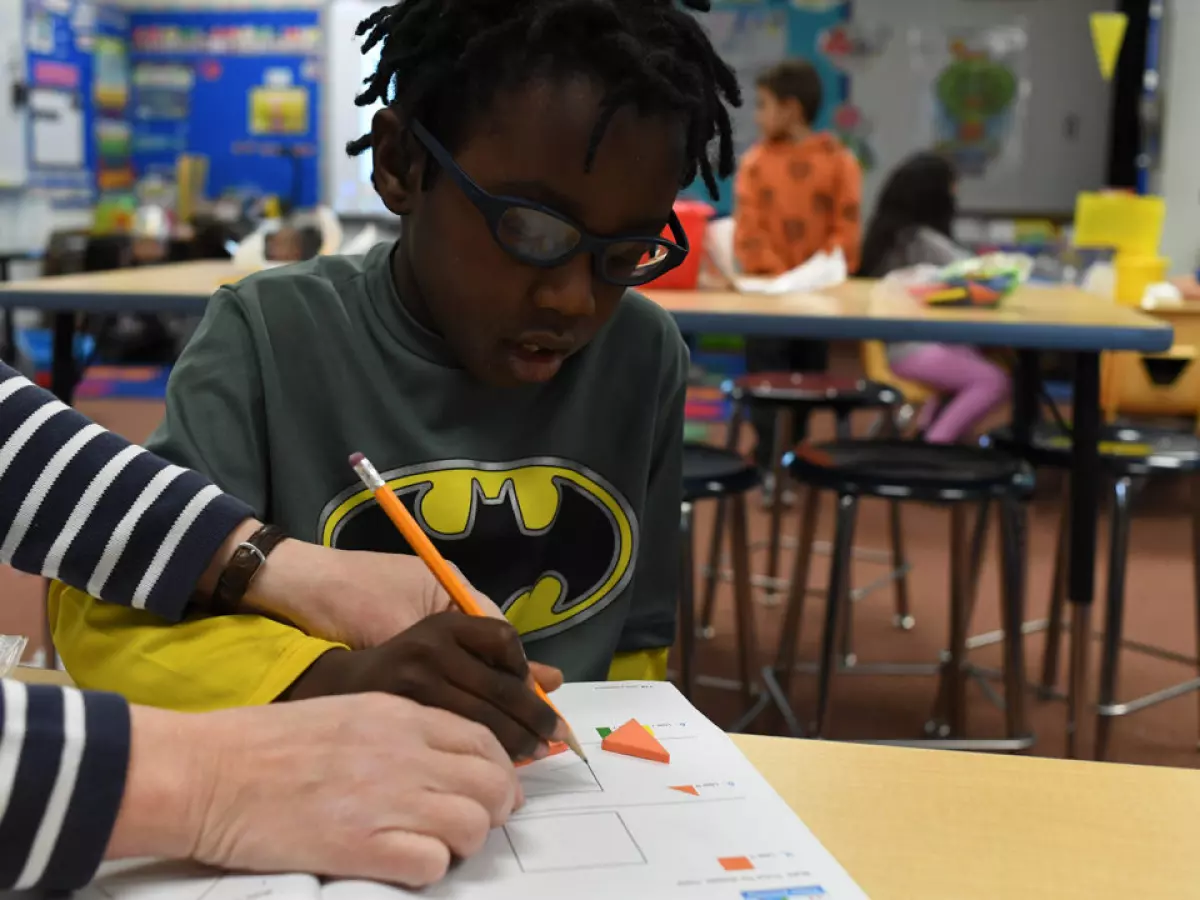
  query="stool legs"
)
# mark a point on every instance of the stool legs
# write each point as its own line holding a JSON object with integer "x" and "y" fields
{"x": 1058, "y": 602}
{"x": 839, "y": 595}
{"x": 960, "y": 580}
{"x": 1118, "y": 553}
{"x": 687, "y": 602}
{"x": 784, "y": 424}
{"x": 903, "y": 618}
{"x": 1013, "y": 547}
{"x": 743, "y": 603}
{"x": 1196, "y": 566}
{"x": 778, "y": 680}
{"x": 712, "y": 574}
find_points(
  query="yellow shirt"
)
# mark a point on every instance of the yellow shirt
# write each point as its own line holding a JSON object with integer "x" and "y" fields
{"x": 208, "y": 663}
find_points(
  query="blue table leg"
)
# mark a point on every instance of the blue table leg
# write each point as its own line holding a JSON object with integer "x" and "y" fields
{"x": 1086, "y": 477}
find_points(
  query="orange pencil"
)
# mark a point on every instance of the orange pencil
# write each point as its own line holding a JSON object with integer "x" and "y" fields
{"x": 442, "y": 570}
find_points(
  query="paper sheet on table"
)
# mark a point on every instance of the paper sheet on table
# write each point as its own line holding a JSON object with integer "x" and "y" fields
{"x": 824, "y": 270}
{"x": 705, "y": 826}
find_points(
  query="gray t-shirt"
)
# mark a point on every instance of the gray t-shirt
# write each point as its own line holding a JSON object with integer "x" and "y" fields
{"x": 920, "y": 246}
{"x": 559, "y": 501}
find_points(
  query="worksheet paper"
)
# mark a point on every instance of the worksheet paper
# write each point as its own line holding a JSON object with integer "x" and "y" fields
{"x": 705, "y": 826}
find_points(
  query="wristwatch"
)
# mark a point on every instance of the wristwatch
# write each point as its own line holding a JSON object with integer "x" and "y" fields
{"x": 245, "y": 564}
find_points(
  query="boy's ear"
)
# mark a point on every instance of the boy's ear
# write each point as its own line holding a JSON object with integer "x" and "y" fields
{"x": 399, "y": 162}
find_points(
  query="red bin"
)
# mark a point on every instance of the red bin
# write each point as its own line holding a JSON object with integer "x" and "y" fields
{"x": 694, "y": 216}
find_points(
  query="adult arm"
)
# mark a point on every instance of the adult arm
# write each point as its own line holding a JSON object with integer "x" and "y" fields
{"x": 84, "y": 506}
{"x": 84, "y": 777}
{"x": 81, "y": 504}
{"x": 754, "y": 218}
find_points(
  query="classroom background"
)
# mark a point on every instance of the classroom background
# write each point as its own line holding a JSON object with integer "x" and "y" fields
{"x": 156, "y": 132}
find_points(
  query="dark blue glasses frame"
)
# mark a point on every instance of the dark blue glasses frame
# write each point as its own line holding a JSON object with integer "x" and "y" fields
{"x": 540, "y": 236}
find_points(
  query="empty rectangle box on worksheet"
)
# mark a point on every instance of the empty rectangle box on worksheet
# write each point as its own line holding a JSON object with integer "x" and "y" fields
{"x": 574, "y": 842}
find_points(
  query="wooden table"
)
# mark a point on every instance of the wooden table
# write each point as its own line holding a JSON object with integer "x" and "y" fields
{"x": 1033, "y": 319}
{"x": 933, "y": 825}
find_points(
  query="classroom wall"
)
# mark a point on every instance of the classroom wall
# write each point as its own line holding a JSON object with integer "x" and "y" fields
{"x": 1065, "y": 134}
{"x": 1178, "y": 176}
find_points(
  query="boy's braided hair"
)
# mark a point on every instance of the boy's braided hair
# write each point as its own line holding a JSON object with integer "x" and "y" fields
{"x": 442, "y": 60}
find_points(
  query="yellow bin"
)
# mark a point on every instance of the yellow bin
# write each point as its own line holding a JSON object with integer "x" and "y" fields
{"x": 1135, "y": 272}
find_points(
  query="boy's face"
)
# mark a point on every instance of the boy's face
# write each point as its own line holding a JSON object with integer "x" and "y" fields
{"x": 775, "y": 118}
{"x": 508, "y": 322}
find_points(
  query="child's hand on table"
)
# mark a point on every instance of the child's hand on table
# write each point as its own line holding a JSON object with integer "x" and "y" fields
{"x": 474, "y": 667}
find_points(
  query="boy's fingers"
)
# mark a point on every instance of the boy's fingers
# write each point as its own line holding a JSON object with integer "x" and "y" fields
{"x": 493, "y": 641}
{"x": 548, "y": 678}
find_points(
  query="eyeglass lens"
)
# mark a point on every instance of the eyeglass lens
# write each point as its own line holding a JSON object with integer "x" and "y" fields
{"x": 542, "y": 238}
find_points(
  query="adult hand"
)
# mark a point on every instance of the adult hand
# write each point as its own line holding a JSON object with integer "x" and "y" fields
{"x": 355, "y": 598}
{"x": 369, "y": 786}
{"x": 474, "y": 667}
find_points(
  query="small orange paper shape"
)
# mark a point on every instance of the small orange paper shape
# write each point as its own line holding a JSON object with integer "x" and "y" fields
{"x": 632, "y": 739}
{"x": 686, "y": 789}
{"x": 556, "y": 747}
{"x": 735, "y": 864}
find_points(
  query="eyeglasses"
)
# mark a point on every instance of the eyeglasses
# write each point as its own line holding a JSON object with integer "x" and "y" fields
{"x": 539, "y": 236}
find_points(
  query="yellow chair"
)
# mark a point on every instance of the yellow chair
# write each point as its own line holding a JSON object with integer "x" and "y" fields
{"x": 875, "y": 366}
{"x": 1129, "y": 385}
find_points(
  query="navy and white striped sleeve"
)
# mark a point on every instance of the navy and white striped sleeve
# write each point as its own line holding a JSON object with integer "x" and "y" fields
{"x": 64, "y": 756}
{"x": 80, "y": 504}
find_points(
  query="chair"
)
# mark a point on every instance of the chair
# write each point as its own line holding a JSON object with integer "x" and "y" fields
{"x": 787, "y": 393}
{"x": 711, "y": 473}
{"x": 944, "y": 475}
{"x": 1131, "y": 456}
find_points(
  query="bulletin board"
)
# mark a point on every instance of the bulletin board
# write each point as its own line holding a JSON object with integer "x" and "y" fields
{"x": 60, "y": 149}
{"x": 752, "y": 35}
{"x": 241, "y": 88}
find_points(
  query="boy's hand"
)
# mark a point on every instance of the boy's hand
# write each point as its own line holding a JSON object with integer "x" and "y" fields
{"x": 470, "y": 666}
{"x": 355, "y": 598}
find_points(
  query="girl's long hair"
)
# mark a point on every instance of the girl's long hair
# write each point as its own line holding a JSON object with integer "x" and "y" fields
{"x": 919, "y": 193}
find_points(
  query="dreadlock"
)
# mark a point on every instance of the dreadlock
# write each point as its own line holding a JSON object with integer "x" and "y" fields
{"x": 443, "y": 60}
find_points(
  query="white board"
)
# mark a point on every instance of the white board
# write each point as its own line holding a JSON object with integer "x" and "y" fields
{"x": 350, "y": 192}
{"x": 13, "y": 168}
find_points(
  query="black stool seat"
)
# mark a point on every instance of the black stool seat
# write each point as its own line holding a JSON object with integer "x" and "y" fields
{"x": 713, "y": 472}
{"x": 1123, "y": 450}
{"x": 810, "y": 388}
{"x": 910, "y": 470}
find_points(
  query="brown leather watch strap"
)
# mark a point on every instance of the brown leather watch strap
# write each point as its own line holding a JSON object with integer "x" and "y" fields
{"x": 246, "y": 562}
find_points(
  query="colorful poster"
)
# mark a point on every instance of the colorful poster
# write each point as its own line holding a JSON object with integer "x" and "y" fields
{"x": 163, "y": 91}
{"x": 851, "y": 47}
{"x": 278, "y": 110}
{"x": 977, "y": 95}
{"x": 110, "y": 74}
{"x": 854, "y": 130}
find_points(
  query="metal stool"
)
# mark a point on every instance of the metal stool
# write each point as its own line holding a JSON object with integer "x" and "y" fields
{"x": 1131, "y": 456}
{"x": 787, "y": 393}
{"x": 951, "y": 476}
{"x": 710, "y": 473}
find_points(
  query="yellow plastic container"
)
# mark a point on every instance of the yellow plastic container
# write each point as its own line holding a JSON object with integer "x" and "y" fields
{"x": 1123, "y": 221}
{"x": 1136, "y": 272}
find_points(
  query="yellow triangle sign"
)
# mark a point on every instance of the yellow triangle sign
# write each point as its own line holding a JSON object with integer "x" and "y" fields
{"x": 1108, "y": 35}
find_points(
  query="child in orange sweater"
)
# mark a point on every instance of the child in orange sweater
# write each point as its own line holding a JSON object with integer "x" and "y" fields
{"x": 798, "y": 192}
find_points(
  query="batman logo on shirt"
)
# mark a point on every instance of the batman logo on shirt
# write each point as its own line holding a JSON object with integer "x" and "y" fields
{"x": 550, "y": 541}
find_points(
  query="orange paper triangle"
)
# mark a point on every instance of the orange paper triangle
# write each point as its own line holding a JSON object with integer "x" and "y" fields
{"x": 632, "y": 739}
{"x": 556, "y": 747}
{"x": 686, "y": 789}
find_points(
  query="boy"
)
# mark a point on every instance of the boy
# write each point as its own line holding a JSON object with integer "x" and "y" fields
{"x": 491, "y": 363}
{"x": 798, "y": 193}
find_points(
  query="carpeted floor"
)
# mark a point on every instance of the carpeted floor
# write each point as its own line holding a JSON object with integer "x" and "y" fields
{"x": 1160, "y": 611}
